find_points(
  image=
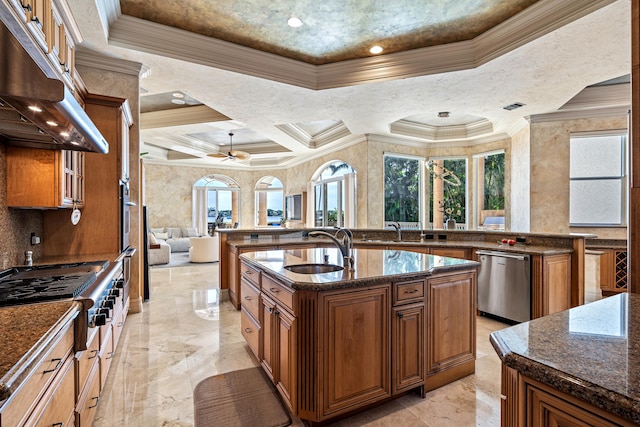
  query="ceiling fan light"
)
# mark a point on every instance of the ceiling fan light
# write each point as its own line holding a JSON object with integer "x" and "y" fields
{"x": 376, "y": 49}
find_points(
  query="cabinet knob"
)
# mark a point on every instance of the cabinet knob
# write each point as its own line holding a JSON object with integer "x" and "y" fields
{"x": 247, "y": 330}
{"x": 401, "y": 315}
{"x": 247, "y": 298}
{"x": 411, "y": 292}
{"x": 55, "y": 367}
{"x": 274, "y": 290}
{"x": 276, "y": 312}
{"x": 26, "y": 7}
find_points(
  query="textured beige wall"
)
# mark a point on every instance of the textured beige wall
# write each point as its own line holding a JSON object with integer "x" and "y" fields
{"x": 549, "y": 192}
{"x": 520, "y": 181}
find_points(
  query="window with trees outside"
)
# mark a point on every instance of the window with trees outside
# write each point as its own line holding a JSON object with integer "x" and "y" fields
{"x": 334, "y": 196}
{"x": 448, "y": 192}
{"x": 403, "y": 190}
{"x": 490, "y": 169}
{"x": 597, "y": 176}
{"x": 269, "y": 202}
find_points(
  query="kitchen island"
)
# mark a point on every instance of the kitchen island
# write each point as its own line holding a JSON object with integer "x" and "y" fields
{"x": 338, "y": 342}
{"x": 577, "y": 367}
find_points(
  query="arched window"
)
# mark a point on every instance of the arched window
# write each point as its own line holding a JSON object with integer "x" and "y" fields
{"x": 216, "y": 203}
{"x": 334, "y": 195}
{"x": 269, "y": 202}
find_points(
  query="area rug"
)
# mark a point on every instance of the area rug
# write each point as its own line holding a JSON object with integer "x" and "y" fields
{"x": 239, "y": 398}
{"x": 180, "y": 259}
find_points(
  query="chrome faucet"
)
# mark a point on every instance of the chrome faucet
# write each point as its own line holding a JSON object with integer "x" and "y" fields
{"x": 342, "y": 239}
{"x": 396, "y": 225}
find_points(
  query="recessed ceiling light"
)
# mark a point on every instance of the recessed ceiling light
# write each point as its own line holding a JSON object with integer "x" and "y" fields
{"x": 178, "y": 101}
{"x": 294, "y": 22}
{"x": 75, "y": 143}
{"x": 51, "y": 123}
{"x": 35, "y": 108}
{"x": 177, "y": 95}
{"x": 65, "y": 134}
{"x": 376, "y": 50}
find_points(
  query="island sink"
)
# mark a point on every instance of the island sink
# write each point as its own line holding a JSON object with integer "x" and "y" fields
{"x": 313, "y": 268}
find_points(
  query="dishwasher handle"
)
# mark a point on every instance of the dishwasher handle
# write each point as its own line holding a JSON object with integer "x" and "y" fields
{"x": 504, "y": 255}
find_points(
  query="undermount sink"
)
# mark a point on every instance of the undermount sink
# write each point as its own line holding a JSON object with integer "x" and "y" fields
{"x": 313, "y": 268}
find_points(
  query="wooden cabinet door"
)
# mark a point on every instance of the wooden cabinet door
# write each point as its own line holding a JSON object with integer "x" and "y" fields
{"x": 408, "y": 357}
{"x": 450, "y": 253}
{"x": 234, "y": 281}
{"x": 451, "y": 333}
{"x": 550, "y": 284}
{"x": 356, "y": 340}
{"x": 269, "y": 328}
{"x": 286, "y": 360}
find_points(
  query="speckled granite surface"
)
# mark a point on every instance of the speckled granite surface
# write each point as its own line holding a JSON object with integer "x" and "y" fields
{"x": 25, "y": 330}
{"x": 371, "y": 266}
{"x": 591, "y": 352}
{"x": 462, "y": 244}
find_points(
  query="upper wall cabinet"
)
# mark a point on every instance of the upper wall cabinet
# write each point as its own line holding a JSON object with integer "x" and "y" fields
{"x": 50, "y": 25}
{"x": 44, "y": 179}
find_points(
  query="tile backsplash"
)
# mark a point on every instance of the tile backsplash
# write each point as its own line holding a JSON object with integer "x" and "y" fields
{"x": 16, "y": 226}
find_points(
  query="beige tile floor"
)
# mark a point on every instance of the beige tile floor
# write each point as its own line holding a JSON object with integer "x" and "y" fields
{"x": 166, "y": 350}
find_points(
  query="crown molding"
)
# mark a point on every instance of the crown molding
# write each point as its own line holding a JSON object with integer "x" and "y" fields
{"x": 90, "y": 58}
{"x": 595, "y": 113}
{"x": 180, "y": 116}
{"x": 334, "y": 133}
{"x": 441, "y": 133}
{"x": 535, "y": 21}
{"x": 600, "y": 96}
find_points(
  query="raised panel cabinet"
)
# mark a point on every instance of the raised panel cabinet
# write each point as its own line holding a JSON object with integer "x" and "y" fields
{"x": 408, "y": 358}
{"x": 45, "y": 178}
{"x": 550, "y": 284}
{"x": 356, "y": 334}
{"x": 451, "y": 335}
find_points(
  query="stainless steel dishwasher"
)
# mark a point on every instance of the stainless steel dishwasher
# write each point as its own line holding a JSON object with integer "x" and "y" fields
{"x": 504, "y": 285}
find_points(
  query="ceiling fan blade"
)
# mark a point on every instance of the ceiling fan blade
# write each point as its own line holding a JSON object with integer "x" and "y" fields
{"x": 241, "y": 155}
{"x": 218, "y": 155}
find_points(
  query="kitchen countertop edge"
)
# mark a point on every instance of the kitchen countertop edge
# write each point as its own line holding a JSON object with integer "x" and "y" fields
{"x": 580, "y": 388}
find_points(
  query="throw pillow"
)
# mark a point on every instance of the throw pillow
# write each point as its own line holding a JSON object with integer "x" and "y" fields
{"x": 174, "y": 233}
{"x": 152, "y": 239}
{"x": 163, "y": 236}
{"x": 190, "y": 232}
{"x": 157, "y": 230}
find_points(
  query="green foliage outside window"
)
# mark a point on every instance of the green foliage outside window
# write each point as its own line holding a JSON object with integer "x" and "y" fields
{"x": 401, "y": 189}
{"x": 494, "y": 182}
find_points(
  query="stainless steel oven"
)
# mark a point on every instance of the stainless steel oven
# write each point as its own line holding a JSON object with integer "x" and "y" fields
{"x": 125, "y": 216}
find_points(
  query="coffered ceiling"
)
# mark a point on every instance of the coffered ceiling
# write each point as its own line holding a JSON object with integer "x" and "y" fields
{"x": 290, "y": 94}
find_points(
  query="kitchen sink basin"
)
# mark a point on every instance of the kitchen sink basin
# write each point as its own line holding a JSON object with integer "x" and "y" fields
{"x": 313, "y": 268}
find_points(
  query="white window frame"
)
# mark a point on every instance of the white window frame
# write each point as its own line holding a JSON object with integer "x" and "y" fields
{"x": 622, "y": 177}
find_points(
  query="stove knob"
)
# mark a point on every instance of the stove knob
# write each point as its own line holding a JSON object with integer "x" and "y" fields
{"x": 119, "y": 283}
{"x": 98, "y": 320}
{"x": 114, "y": 292}
{"x": 108, "y": 303}
{"x": 105, "y": 311}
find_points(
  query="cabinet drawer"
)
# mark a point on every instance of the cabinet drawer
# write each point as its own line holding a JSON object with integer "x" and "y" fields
{"x": 250, "y": 298}
{"x": 405, "y": 292}
{"x": 250, "y": 273}
{"x": 87, "y": 405}
{"x": 450, "y": 253}
{"x": 250, "y": 331}
{"x": 85, "y": 362}
{"x": 280, "y": 293}
{"x": 21, "y": 403}
{"x": 106, "y": 356}
{"x": 56, "y": 407}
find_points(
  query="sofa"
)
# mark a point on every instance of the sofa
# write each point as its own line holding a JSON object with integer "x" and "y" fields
{"x": 176, "y": 238}
{"x": 159, "y": 251}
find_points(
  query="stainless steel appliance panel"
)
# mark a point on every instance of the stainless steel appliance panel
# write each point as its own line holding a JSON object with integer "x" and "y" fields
{"x": 504, "y": 285}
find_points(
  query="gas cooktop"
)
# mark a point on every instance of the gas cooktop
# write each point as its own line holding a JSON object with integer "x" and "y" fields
{"x": 26, "y": 284}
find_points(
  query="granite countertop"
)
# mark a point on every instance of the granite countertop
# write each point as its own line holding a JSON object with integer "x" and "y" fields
{"x": 26, "y": 332}
{"x": 372, "y": 266}
{"x": 464, "y": 244}
{"x": 591, "y": 352}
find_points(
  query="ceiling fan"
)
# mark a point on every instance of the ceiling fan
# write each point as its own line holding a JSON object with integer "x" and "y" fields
{"x": 232, "y": 154}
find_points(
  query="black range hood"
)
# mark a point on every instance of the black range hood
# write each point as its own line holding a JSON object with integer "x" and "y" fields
{"x": 39, "y": 112}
